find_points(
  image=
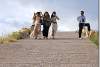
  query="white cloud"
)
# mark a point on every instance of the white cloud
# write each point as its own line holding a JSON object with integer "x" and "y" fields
{"x": 18, "y": 13}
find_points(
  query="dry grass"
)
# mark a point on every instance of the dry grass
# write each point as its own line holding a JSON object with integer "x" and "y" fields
{"x": 95, "y": 38}
{"x": 18, "y": 35}
{"x": 14, "y": 36}
{"x": 6, "y": 40}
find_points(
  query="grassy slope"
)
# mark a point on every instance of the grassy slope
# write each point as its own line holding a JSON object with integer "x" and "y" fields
{"x": 17, "y": 36}
{"x": 13, "y": 37}
{"x": 95, "y": 38}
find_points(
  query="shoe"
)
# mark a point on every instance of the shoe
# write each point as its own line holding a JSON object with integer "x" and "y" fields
{"x": 39, "y": 38}
{"x": 80, "y": 38}
{"x": 35, "y": 38}
{"x": 44, "y": 37}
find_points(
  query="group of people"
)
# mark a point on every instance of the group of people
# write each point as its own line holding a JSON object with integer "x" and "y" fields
{"x": 49, "y": 25}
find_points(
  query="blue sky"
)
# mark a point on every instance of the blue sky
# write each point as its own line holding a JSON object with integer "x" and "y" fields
{"x": 15, "y": 14}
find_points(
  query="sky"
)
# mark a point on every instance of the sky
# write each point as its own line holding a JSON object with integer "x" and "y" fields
{"x": 16, "y": 14}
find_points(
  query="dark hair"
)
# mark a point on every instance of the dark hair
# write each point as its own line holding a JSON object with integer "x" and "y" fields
{"x": 46, "y": 13}
{"x": 38, "y": 13}
{"x": 48, "y": 16}
{"x": 82, "y": 12}
{"x": 53, "y": 14}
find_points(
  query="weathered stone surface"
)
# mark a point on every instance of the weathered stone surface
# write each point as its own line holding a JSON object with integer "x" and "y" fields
{"x": 65, "y": 51}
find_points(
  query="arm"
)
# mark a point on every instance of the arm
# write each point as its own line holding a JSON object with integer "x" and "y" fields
{"x": 57, "y": 17}
{"x": 34, "y": 17}
{"x": 84, "y": 19}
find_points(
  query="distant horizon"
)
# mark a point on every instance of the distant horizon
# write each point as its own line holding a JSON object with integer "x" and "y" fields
{"x": 6, "y": 34}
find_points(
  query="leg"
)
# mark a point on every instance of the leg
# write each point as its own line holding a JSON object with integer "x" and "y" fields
{"x": 32, "y": 34}
{"x": 54, "y": 29}
{"x": 47, "y": 31}
{"x": 88, "y": 26}
{"x": 44, "y": 29}
{"x": 39, "y": 31}
{"x": 50, "y": 31}
{"x": 89, "y": 29}
{"x": 80, "y": 29}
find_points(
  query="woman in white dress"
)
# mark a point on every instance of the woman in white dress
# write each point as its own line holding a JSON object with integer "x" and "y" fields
{"x": 53, "y": 27}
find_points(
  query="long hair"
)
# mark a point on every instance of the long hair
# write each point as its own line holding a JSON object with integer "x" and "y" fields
{"x": 46, "y": 15}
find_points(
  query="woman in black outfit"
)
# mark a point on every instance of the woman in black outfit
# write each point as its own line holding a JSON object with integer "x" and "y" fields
{"x": 46, "y": 24}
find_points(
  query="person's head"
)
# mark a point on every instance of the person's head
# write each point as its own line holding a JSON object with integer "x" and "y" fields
{"x": 41, "y": 13}
{"x": 53, "y": 14}
{"x": 82, "y": 12}
{"x": 38, "y": 13}
{"x": 46, "y": 14}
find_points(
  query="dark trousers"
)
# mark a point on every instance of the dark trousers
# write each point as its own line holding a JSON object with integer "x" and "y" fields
{"x": 81, "y": 25}
{"x": 88, "y": 25}
{"x": 45, "y": 30}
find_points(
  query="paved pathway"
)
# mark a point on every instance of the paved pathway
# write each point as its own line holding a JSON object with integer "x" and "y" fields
{"x": 65, "y": 51}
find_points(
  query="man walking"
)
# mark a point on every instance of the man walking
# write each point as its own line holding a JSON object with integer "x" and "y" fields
{"x": 81, "y": 19}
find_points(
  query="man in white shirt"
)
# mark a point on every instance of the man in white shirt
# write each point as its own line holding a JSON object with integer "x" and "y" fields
{"x": 81, "y": 19}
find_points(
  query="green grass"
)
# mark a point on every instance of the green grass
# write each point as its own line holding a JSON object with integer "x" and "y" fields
{"x": 14, "y": 36}
{"x": 7, "y": 40}
{"x": 95, "y": 38}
